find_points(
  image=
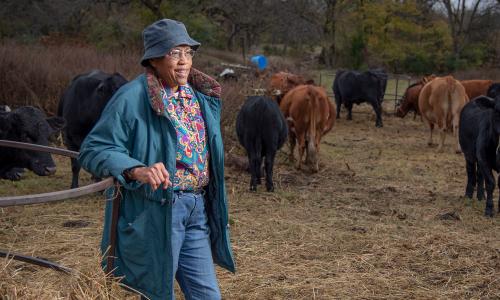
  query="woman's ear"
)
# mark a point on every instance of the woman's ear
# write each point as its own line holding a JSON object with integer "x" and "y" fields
{"x": 152, "y": 63}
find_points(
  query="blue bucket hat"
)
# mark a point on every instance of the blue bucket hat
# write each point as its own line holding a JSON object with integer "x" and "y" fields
{"x": 163, "y": 35}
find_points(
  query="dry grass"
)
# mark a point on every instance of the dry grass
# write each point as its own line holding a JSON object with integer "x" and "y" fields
{"x": 384, "y": 218}
{"x": 37, "y": 75}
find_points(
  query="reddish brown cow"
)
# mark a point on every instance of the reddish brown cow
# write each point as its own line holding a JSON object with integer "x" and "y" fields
{"x": 282, "y": 82}
{"x": 475, "y": 88}
{"x": 440, "y": 102}
{"x": 310, "y": 115}
{"x": 410, "y": 97}
{"x": 409, "y": 102}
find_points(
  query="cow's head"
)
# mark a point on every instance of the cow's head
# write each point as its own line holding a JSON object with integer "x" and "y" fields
{"x": 494, "y": 90}
{"x": 282, "y": 82}
{"x": 110, "y": 85}
{"x": 105, "y": 90}
{"x": 29, "y": 125}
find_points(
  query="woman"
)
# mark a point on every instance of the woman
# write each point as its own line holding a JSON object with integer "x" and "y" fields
{"x": 159, "y": 136}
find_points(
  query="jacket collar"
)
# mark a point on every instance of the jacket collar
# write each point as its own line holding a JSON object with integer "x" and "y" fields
{"x": 198, "y": 80}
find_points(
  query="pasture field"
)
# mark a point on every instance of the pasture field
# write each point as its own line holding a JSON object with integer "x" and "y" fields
{"x": 383, "y": 219}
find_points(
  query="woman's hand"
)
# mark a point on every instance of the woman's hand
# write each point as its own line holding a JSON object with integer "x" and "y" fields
{"x": 153, "y": 175}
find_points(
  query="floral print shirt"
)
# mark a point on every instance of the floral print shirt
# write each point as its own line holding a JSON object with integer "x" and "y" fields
{"x": 183, "y": 109}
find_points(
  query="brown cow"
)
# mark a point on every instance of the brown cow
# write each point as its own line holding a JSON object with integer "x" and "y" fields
{"x": 410, "y": 97}
{"x": 440, "y": 102}
{"x": 475, "y": 88}
{"x": 282, "y": 82}
{"x": 310, "y": 115}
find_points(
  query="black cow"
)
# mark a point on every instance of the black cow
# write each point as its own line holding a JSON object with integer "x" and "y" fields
{"x": 493, "y": 90}
{"x": 14, "y": 173}
{"x": 81, "y": 106}
{"x": 262, "y": 130}
{"x": 352, "y": 87}
{"x": 28, "y": 125}
{"x": 478, "y": 136}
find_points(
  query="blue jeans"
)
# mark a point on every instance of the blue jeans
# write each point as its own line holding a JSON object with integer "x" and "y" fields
{"x": 192, "y": 256}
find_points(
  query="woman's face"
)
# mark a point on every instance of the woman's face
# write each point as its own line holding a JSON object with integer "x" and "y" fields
{"x": 174, "y": 67}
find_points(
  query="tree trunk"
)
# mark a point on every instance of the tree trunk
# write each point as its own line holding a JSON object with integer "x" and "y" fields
{"x": 327, "y": 56}
{"x": 459, "y": 26}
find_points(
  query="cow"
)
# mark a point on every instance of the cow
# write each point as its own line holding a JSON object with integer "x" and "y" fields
{"x": 409, "y": 101}
{"x": 352, "y": 87}
{"x": 479, "y": 136}
{"x": 440, "y": 103}
{"x": 475, "y": 88}
{"x": 261, "y": 130}
{"x": 310, "y": 115}
{"x": 81, "y": 105}
{"x": 282, "y": 82}
{"x": 27, "y": 124}
{"x": 493, "y": 90}
{"x": 15, "y": 173}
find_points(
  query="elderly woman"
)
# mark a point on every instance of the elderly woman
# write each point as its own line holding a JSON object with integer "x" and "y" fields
{"x": 159, "y": 136}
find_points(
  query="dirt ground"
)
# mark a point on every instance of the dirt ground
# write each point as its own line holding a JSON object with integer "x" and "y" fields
{"x": 385, "y": 218}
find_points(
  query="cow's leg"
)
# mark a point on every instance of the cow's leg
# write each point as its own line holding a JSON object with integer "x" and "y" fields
{"x": 348, "y": 106}
{"x": 480, "y": 184}
{"x": 269, "y": 164}
{"x": 489, "y": 181}
{"x": 471, "y": 178}
{"x": 498, "y": 183}
{"x": 302, "y": 148}
{"x": 431, "y": 130}
{"x": 456, "y": 119}
{"x": 75, "y": 169}
{"x": 253, "y": 162}
{"x": 442, "y": 135}
{"x": 258, "y": 170}
{"x": 338, "y": 102}
{"x": 377, "y": 108}
{"x": 292, "y": 140}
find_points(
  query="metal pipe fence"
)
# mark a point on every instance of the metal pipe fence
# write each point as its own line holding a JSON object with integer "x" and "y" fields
{"x": 47, "y": 197}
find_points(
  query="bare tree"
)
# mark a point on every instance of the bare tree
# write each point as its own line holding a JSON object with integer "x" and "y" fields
{"x": 327, "y": 56}
{"x": 460, "y": 19}
{"x": 244, "y": 21}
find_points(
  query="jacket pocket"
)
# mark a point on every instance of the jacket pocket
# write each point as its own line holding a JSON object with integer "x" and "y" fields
{"x": 133, "y": 253}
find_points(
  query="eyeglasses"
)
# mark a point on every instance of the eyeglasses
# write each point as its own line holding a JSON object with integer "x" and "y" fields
{"x": 177, "y": 53}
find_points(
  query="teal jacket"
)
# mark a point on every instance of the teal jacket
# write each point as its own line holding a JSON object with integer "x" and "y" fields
{"x": 130, "y": 133}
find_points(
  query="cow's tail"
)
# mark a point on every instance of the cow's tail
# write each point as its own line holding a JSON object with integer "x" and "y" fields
{"x": 451, "y": 86}
{"x": 311, "y": 135}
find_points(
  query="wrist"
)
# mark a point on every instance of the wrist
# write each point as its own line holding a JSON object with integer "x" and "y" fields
{"x": 128, "y": 174}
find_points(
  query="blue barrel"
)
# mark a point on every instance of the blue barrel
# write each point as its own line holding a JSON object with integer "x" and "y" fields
{"x": 260, "y": 61}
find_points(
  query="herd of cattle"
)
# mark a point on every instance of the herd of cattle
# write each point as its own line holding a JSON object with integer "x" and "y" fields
{"x": 292, "y": 108}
